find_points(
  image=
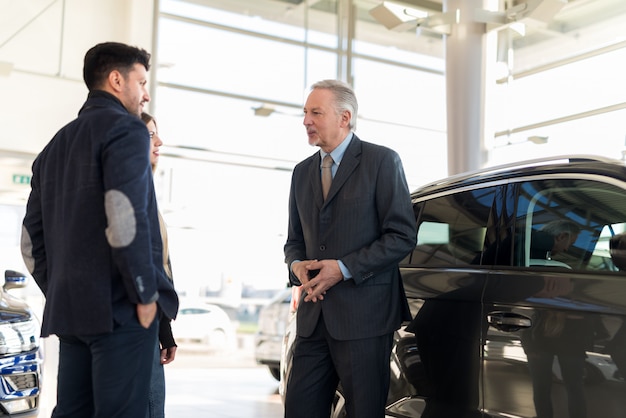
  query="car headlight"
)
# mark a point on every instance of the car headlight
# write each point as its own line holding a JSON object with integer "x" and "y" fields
{"x": 17, "y": 337}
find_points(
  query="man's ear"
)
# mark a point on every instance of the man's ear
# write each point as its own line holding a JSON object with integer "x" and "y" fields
{"x": 115, "y": 80}
{"x": 346, "y": 116}
{"x": 562, "y": 236}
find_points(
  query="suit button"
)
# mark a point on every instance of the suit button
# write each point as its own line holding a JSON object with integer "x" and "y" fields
{"x": 322, "y": 247}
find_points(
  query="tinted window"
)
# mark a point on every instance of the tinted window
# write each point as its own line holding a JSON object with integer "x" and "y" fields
{"x": 566, "y": 223}
{"x": 451, "y": 229}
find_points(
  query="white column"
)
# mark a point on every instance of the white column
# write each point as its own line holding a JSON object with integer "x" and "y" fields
{"x": 465, "y": 53}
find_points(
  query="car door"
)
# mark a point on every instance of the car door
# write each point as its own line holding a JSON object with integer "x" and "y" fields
{"x": 557, "y": 318}
{"x": 439, "y": 353}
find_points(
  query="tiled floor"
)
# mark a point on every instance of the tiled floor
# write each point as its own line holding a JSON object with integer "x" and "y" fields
{"x": 204, "y": 384}
{"x": 200, "y": 384}
{"x": 223, "y": 393}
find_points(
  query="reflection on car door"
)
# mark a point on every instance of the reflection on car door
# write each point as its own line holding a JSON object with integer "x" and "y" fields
{"x": 557, "y": 318}
{"x": 444, "y": 286}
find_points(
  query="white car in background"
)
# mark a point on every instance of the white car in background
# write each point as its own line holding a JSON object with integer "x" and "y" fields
{"x": 203, "y": 323}
{"x": 268, "y": 340}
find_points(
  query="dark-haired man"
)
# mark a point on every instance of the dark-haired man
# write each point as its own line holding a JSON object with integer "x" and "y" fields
{"x": 91, "y": 241}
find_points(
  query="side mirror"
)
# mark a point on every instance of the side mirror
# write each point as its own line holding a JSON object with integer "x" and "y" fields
{"x": 14, "y": 280}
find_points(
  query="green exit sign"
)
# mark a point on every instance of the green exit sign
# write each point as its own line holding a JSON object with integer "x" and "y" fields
{"x": 21, "y": 179}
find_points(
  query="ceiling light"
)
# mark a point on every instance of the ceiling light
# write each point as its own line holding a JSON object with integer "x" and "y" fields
{"x": 536, "y": 139}
{"x": 263, "y": 110}
{"x": 396, "y": 17}
{"x": 5, "y": 68}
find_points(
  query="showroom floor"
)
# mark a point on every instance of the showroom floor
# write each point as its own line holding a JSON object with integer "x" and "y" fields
{"x": 200, "y": 383}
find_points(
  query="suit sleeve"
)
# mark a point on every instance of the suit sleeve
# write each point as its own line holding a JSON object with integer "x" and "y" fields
{"x": 32, "y": 239}
{"x": 128, "y": 191}
{"x": 398, "y": 231}
{"x": 295, "y": 247}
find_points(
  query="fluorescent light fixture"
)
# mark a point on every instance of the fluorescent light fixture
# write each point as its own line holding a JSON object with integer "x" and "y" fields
{"x": 192, "y": 153}
{"x": 397, "y": 17}
{"x": 263, "y": 110}
{"x": 5, "y": 68}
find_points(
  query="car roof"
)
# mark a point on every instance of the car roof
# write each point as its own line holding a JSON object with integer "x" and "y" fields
{"x": 198, "y": 305}
{"x": 589, "y": 164}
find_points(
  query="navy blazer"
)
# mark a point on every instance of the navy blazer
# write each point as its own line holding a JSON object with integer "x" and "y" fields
{"x": 367, "y": 222}
{"x": 91, "y": 237}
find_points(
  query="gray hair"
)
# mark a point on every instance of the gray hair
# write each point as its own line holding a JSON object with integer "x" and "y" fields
{"x": 345, "y": 99}
{"x": 560, "y": 226}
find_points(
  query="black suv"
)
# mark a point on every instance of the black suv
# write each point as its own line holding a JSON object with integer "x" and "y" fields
{"x": 518, "y": 295}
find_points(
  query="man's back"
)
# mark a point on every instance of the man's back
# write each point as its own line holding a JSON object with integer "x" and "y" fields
{"x": 94, "y": 174}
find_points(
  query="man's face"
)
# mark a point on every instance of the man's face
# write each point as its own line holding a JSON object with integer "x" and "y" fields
{"x": 324, "y": 127}
{"x": 563, "y": 241}
{"x": 134, "y": 93}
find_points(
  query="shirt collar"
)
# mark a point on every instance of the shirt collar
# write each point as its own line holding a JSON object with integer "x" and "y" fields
{"x": 338, "y": 152}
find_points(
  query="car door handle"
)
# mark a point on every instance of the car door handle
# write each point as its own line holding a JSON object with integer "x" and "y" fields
{"x": 508, "y": 321}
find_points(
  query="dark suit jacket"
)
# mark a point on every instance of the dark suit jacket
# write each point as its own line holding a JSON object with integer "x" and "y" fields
{"x": 367, "y": 222}
{"x": 91, "y": 235}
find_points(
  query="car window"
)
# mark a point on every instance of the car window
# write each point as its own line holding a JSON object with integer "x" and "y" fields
{"x": 451, "y": 229}
{"x": 567, "y": 223}
{"x": 194, "y": 311}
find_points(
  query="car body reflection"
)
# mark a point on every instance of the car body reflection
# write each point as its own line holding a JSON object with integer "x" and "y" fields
{"x": 517, "y": 288}
{"x": 21, "y": 354}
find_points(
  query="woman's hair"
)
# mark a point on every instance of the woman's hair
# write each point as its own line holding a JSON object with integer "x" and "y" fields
{"x": 345, "y": 99}
{"x": 147, "y": 118}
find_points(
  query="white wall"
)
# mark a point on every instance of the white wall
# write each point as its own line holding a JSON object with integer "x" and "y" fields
{"x": 45, "y": 89}
{"x": 44, "y": 41}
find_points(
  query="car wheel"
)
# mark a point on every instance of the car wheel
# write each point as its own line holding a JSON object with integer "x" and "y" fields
{"x": 592, "y": 375}
{"x": 275, "y": 372}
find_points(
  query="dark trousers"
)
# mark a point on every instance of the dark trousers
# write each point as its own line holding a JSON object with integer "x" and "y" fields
{"x": 156, "y": 398}
{"x": 572, "y": 372}
{"x": 106, "y": 375}
{"x": 320, "y": 362}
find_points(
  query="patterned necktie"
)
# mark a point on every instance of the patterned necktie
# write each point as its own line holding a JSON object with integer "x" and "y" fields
{"x": 327, "y": 174}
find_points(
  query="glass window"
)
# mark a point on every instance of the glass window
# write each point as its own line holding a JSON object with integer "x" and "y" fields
{"x": 542, "y": 104}
{"x": 452, "y": 228}
{"x": 249, "y": 17}
{"x": 557, "y": 226}
{"x": 232, "y": 62}
{"x": 217, "y": 64}
{"x": 602, "y": 134}
{"x": 400, "y": 95}
{"x": 225, "y": 125}
{"x": 549, "y": 94}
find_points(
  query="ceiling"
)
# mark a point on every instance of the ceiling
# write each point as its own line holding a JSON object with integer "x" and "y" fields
{"x": 578, "y": 26}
